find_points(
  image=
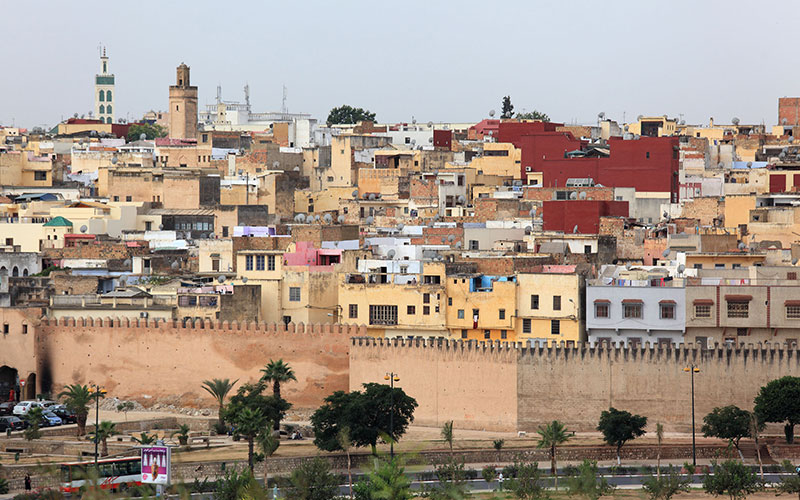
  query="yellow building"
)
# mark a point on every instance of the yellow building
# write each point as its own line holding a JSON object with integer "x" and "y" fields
{"x": 481, "y": 307}
{"x": 317, "y": 202}
{"x": 724, "y": 260}
{"x": 23, "y": 168}
{"x": 500, "y": 159}
{"x": 549, "y": 307}
{"x": 653, "y": 126}
{"x": 264, "y": 268}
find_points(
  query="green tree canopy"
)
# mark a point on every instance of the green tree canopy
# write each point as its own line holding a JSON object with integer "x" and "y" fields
{"x": 587, "y": 482}
{"x": 345, "y": 114}
{"x": 151, "y": 131}
{"x": 367, "y": 414}
{"x": 619, "y": 427}
{"x": 77, "y": 398}
{"x": 508, "y": 108}
{"x": 313, "y": 480}
{"x": 728, "y": 422}
{"x": 779, "y": 401}
{"x": 732, "y": 478}
{"x": 533, "y": 115}
{"x": 527, "y": 485}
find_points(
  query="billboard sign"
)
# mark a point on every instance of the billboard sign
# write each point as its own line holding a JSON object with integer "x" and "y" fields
{"x": 155, "y": 465}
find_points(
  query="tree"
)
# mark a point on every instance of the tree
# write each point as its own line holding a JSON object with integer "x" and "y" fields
{"x": 101, "y": 434}
{"x": 77, "y": 398}
{"x": 527, "y": 485}
{"x": 34, "y": 420}
{"x": 585, "y": 482}
{"x": 659, "y": 439}
{"x": 447, "y": 434}
{"x": 451, "y": 481}
{"x": 619, "y": 427}
{"x": 755, "y": 427}
{"x": 151, "y": 131}
{"x": 731, "y": 478}
{"x": 144, "y": 439}
{"x": 183, "y": 434}
{"x": 664, "y": 488}
{"x": 268, "y": 442}
{"x": 779, "y": 401}
{"x": 219, "y": 389}
{"x": 277, "y": 373}
{"x": 489, "y": 474}
{"x": 533, "y": 115}
{"x": 497, "y": 444}
{"x": 345, "y": 443}
{"x": 508, "y": 108}
{"x": 367, "y": 414}
{"x": 125, "y": 407}
{"x": 313, "y": 480}
{"x": 345, "y": 114}
{"x": 249, "y": 411}
{"x": 728, "y": 422}
{"x": 233, "y": 485}
{"x": 790, "y": 482}
{"x": 389, "y": 482}
{"x": 550, "y": 436}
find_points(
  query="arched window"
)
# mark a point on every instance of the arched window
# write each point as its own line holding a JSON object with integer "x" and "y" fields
{"x": 102, "y": 109}
{"x": 102, "y": 96}
{"x": 108, "y": 109}
{"x": 25, "y": 272}
{"x": 15, "y": 272}
{"x": 108, "y": 95}
{"x": 108, "y": 120}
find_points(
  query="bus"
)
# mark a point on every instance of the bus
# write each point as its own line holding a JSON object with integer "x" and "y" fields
{"x": 113, "y": 474}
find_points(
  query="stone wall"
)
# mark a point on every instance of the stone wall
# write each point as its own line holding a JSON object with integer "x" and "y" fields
{"x": 505, "y": 386}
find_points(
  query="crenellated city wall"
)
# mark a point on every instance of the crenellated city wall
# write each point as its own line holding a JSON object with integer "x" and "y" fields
{"x": 512, "y": 386}
{"x": 166, "y": 361}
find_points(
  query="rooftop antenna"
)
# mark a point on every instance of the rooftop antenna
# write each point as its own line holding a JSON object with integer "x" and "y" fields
{"x": 219, "y": 94}
{"x": 247, "y": 94}
{"x": 284, "y": 109}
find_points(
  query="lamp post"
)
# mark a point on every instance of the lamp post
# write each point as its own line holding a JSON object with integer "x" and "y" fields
{"x": 392, "y": 377}
{"x": 692, "y": 369}
{"x": 97, "y": 391}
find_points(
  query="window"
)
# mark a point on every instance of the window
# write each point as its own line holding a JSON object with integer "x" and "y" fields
{"x": 108, "y": 97}
{"x": 667, "y": 310}
{"x": 460, "y": 314}
{"x": 502, "y": 314}
{"x": 601, "y": 309}
{"x": 426, "y": 298}
{"x": 102, "y": 97}
{"x": 526, "y": 326}
{"x": 248, "y": 263}
{"x": 411, "y": 310}
{"x": 260, "y": 262}
{"x": 148, "y": 225}
{"x": 473, "y": 244}
{"x": 352, "y": 311}
{"x": 270, "y": 263}
{"x": 40, "y": 175}
{"x": 215, "y": 264}
{"x": 102, "y": 109}
{"x": 632, "y": 310}
{"x": 24, "y": 329}
{"x": 503, "y": 334}
{"x": 738, "y": 309}
{"x": 534, "y": 302}
{"x": 108, "y": 109}
{"x": 487, "y": 334}
{"x": 426, "y": 310}
{"x": 294, "y": 294}
{"x": 463, "y": 334}
{"x": 5, "y": 328}
{"x": 449, "y": 301}
{"x": 793, "y": 311}
{"x": 224, "y": 231}
{"x": 587, "y": 248}
{"x": 555, "y": 327}
{"x": 128, "y": 198}
{"x": 556, "y": 302}
{"x": 647, "y": 155}
{"x": 382, "y": 315}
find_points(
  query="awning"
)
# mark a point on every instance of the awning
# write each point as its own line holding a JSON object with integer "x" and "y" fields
{"x": 738, "y": 298}
{"x": 666, "y": 302}
{"x": 632, "y": 301}
{"x": 703, "y": 302}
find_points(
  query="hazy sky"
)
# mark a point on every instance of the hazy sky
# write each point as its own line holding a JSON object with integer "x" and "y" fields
{"x": 434, "y": 60}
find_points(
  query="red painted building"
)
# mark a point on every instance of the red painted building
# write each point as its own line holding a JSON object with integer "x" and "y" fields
{"x": 443, "y": 139}
{"x": 647, "y": 164}
{"x": 585, "y": 214}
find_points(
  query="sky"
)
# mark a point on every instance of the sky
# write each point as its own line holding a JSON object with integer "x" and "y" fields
{"x": 432, "y": 60}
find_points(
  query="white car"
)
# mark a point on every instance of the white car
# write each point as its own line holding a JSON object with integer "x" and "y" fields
{"x": 23, "y": 407}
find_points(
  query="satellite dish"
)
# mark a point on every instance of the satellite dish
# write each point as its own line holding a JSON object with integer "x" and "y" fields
{"x": 316, "y": 218}
{"x": 573, "y": 196}
{"x": 365, "y": 196}
{"x": 355, "y": 193}
{"x": 174, "y": 265}
{"x": 532, "y": 212}
{"x": 24, "y": 206}
{"x": 735, "y": 120}
{"x": 391, "y": 253}
{"x": 400, "y": 227}
{"x": 742, "y": 246}
{"x": 451, "y": 237}
{"x": 430, "y": 124}
{"x": 491, "y": 113}
{"x": 114, "y": 160}
{"x": 791, "y": 139}
{"x": 601, "y": 115}
{"x": 244, "y": 279}
{"x": 528, "y": 229}
{"x": 794, "y": 261}
{"x": 665, "y": 253}
{"x": 461, "y": 198}
{"x": 372, "y": 196}
{"x": 443, "y": 239}
{"x": 369, "y": 220}
{"x": 681, "y": 268}
{"x": 783, "y": 122}
{"x": 639, "y": 118}
{"x": 126, "y": 262}
{"x": 328, "y": 218}
{"x": 300, "y": 218}
{"x": 296, "y": 169}
{"x": 221, "y": 279}
{"x": 160, "y": 227}
{"x": 340, "y": 219}
{"x": 276, "y": 164}
{"x": 749, "y": 164}
{"x": 142, "y": 137}
{"x": 628, "y": 266}
{"x": 430, "y": 139}
{"x": 625, "y": 128}
{"x": 582, "y": 195}
{"x": 575, "y": 229}
{"x": 84, "y": 228}
{"x": 458, "y": 244}
{"x": 720, "y": 164}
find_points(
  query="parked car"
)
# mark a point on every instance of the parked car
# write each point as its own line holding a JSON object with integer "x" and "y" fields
{"x": 50, "y": 419}
{"x": 23, "y": 407}
{"x": 7, "y": 408}
{"x": 45, "y": 403}
{"x": 13, "y": 423}
{"x": 65, "y": 414}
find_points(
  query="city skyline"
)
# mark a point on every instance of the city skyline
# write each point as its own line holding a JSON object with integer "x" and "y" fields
{"x": 431, "y": 62}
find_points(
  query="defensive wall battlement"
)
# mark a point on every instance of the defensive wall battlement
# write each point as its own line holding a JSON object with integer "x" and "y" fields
{"x": 517, "y": 386}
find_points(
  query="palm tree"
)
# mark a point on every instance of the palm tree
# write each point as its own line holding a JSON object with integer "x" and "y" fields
{"x": 390, "y": 481}
{"x": 34, "y": 420}
{"x": 659, "y": 438}
{"x": 268, "y": 442}
{"x": 552, "y": 435}
{"x": 250, "y": 423}
{"x": 219, "y": 388}
{"x": 104, "y": 431}
{"x": 447, "y": 434}
{"x": 144, "y": 439}
{"x": 183, "y": 434}
{"x": 78, "y": 398}
{"x": 345, "y": 443}
{"x": 277, "y": 372}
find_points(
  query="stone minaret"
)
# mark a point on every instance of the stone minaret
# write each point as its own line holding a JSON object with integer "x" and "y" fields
{"x": 104, "y": 92}
{"x": 183, "y": 106}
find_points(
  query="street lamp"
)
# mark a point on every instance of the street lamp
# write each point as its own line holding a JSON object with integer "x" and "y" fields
{"x": 392, "y": 377}
{"x": 98, "y": 393}
{"x": 693, "y": 369}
